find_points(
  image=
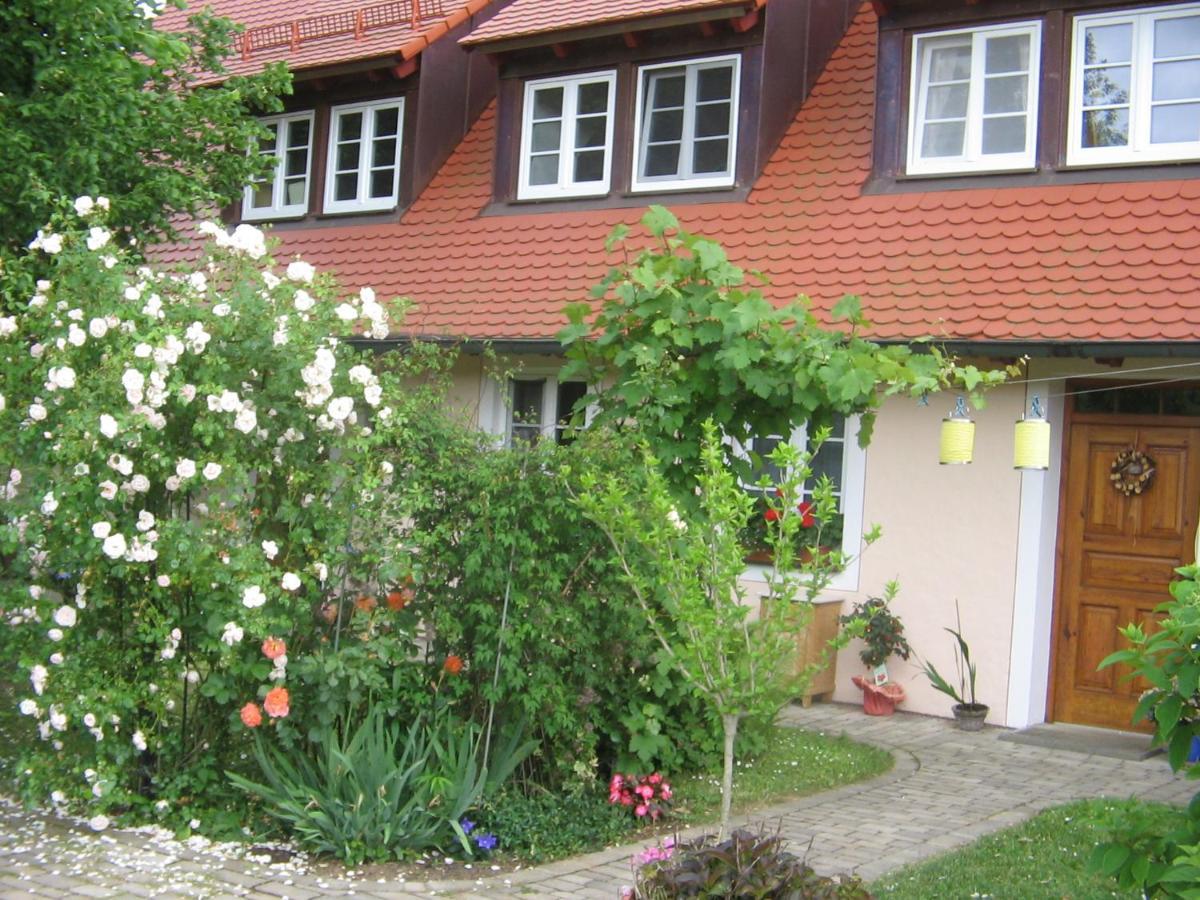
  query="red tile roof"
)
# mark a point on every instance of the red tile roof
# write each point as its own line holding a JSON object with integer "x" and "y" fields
{"x": 524, "y": 18}
{"x": 309, "y": 34}
{"x": 1088, "y": 262}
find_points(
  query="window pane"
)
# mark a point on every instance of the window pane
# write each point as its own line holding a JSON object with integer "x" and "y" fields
{"x": 293, "y": 191}
{"x": 666, "y": 126}
{"x": 298, "y": 134}
{"x": 1108, "y": 86}
{"x": 592, "y": 98}
{"x": 666, "y": 90}
{"x": 763, "y": 447}
{"x": 347, "y": 157}
{"x": 1106, "y": 128}
{"x": 1006, "y": 94}
{"x": 661, "y": 159}
{"x": 547, "y": 103}
{"x": 1181, "y": 402}
{"x": 1007, "y": 54}
{"x": 386, "y": 121}
{"x": 711, "y": 156}
{"x": 261, "y": 196}
{"x": 297, "y": 162}
{"x": 1177, "y": 123}
{"x": 346, "y": 186}
{"x": 1177, "y": 36}
{"x": 266, "y": 146}
{"x": 382, "y": 181}
{"x": 350, "y": 126}
{"x": 589, "y": 132}
{"x": 589, "y": 165}
{"x": 569, "y": 393}
{"x": 1004, "y": 134}
{"x": 946, "y": 102}
{"x": 712, "y": 119}
{"x": 1177, "y": 80}
{"x": 527, "y": 402}
{"x": 828, "y": 461}
{"x": 950, "y": 63}
{"x": 714, "y": 84}
{"x": 1107, "y": 43}
{"x": 544, "y": 169}
{"x": 384, "y": 153}
{"x": 943, "y": 139}
{"x": 546, "y": 136}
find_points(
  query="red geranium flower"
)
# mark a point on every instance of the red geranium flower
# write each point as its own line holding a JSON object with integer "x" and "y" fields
{"x": 771, "y": 515}
{"x": 453, "y": 664}
{"x": 807, "y": 519}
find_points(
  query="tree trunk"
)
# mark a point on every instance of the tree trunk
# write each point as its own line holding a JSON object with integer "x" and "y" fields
{"x": 730, "y": 724}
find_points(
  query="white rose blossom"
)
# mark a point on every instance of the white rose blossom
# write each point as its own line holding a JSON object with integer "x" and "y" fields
{"x": 185, "y": 468}
{"x": 232, "y": 634}
{"x": 212, "y": 471}
{"x": 65, "y": 616}
{"x": 84, "y": 205}
{"x": 298, "y": 270}
{"x": 108, "y": 426}
{"x": 290, "y": 581}
{"x": 253, "y": 597}
{"x": 114, "y": 546}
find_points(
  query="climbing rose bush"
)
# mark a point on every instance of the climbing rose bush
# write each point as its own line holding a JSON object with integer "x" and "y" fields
{"x": 190, "y": 462}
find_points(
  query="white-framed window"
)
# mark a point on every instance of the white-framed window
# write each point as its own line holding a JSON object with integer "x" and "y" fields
{"x": 362, "y": 172}
{"x": 973, "y": 99}
{"x": 686, "y": 118}
{"x": 285, "y": 192}
{"x": 531, "y": 407}
{"x": 567, "y": 136}
{"x": 844, "y": 461}
{"x": 1135, "y": 86}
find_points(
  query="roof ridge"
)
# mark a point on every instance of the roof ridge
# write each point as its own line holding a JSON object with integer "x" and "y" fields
{"x": 357, "y": 22}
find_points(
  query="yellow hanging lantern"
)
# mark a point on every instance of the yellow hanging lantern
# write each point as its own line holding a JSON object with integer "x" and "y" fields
{"x": 957, "y": 444}
{"x": 1031, "y": 440}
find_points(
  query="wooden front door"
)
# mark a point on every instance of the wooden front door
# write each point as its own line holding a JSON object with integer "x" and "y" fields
{"x": 1118, "y": 556}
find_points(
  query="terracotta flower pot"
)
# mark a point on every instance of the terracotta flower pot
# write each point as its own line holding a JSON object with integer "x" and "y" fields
{"x": 879, "y": 699}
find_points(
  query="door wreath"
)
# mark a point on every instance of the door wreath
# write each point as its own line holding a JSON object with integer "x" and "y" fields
{"x": 1131, "y": 472}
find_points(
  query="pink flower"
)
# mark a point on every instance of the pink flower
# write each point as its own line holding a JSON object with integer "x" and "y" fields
{"x": 251, "y": 715}
{"x": 276, "y": 703}
{"x": 645, "y": 791}
{"x": 641, "y": 809}
{"x": 273, "y": 648}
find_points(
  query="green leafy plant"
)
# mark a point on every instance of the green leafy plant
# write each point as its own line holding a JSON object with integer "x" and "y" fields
{"x": 748, "y": 865}
{"x": 539, "y": 825}
{"x": 97, "y": 100}
{"x": 880, "y": 629}
{"x": 685, "y": 573}
{"x": 678, "y": 334}
{"x": 377, "y": 792}
{"x": 1139, "y": 853}
{"x": 964, "y": 693}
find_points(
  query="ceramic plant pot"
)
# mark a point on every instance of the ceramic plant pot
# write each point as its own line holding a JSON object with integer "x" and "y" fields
{"x": 969, "y": 717}
{"x": 879, "y": 699}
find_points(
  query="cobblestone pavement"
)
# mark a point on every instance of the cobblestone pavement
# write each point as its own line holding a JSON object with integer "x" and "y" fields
{"x": 947, "y": 788}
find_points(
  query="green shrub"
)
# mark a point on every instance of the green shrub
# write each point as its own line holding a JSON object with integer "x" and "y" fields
{"x": 377, "y": 792}
{"x": 746, "y": 865}
{"x": 1140, "y": 853}
{"x": 576, "y": 659}
{"x": 539, "y": 826}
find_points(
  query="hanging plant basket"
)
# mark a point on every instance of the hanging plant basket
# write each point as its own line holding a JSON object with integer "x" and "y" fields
{"x": 1131, "y": 472}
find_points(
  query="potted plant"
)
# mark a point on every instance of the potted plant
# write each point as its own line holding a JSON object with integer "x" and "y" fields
{"x": 882, "y": 634}
{"x": 969, "y": 713}
{"x": 815, "y": 535}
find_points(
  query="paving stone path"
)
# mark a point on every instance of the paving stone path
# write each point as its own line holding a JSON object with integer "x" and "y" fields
{"x": 947, "y": 788}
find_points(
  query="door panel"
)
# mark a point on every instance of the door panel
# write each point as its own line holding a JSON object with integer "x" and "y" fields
{"x": 1118, "y": 556}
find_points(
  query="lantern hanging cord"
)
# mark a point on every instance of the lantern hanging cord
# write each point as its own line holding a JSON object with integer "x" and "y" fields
{"x": 1115, "y": 372}
{"x": 1118, "y": 387}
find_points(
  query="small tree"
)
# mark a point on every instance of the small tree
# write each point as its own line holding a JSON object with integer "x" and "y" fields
{"x": 684, "y": 571}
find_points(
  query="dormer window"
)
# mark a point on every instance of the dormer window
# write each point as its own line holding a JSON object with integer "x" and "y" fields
{"x": 567, "y": 136}
{"x": 974, "y": 100}
{"x": 363, "y": 170}
{"x": 285, "y": 192}
{"x": 686, "y": 124}
{"x": 1135, "y": 87}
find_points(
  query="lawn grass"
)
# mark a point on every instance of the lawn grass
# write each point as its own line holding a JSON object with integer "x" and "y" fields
{"x": 1042, "y": 859}
{"x": 794, "y": 763}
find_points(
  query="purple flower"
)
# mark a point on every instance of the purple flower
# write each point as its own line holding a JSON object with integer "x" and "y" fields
{"x": 485, "y": 841}
{"x": 467, "y": 826}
